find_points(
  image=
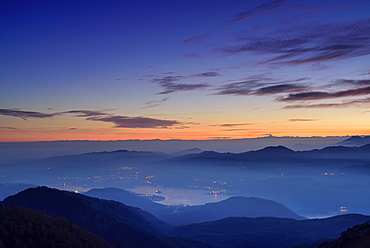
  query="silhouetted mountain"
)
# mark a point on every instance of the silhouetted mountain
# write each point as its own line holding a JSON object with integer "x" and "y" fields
{"x": 97, "y": 158}
{"x": 281, "y": 154}
{"x": 267, "y": 232}
{"x": 186, "y": 152}
{"x": 23, "y": 227}
{"x": 355, "y": 141}
{"x": 340, "y": 152}
{"x": 231, "y": 207}
{"x": 363, "y": 169}
{"x": 355, "y": 237}
{"x": 120, "y": 225}
{"x": 274, "y": 150}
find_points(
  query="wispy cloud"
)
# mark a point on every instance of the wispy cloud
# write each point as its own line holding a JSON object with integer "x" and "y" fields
{"x": 261, "y": 86}
{"x": 25, "y": 114}
{"x": 207, "y": 74}
{"x": 136, "y": 122}
{"x": 319, "y": 95}
{"x": 361, "y": 102}
{"x": 171, "y": 84}
{"x": 293, "y": 43}
{"x": 281, "y": 88}
{"x": 154, "y": 103}
{"x": 84, "y": 113}
{"x": 119, "y": 120}
{"x": 306, "y": 44}
{"x": 360, "y": 82}
{"x": 12, "y": 128}
{"x": 234, "y": 124}
{"x": 171, "y": 88}
{"x": 300, "y": 120}
{"x": 257, "y": 11}
{"x": 196, "y": 39}
{"x": 237, "y": 130}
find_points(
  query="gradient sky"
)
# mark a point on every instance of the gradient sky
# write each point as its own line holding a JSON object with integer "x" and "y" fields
{"x": 169, "y": 69}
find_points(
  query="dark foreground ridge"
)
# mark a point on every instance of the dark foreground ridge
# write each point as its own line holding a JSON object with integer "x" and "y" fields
{"x": 120, "y": 225}
{"x": 355, "y": 237}
{"x": 125, "y": 226}
{"x": 267, "y": 232}
{"x": 23, "y": 227}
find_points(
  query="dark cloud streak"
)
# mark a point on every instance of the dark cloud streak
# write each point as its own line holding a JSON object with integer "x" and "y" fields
{"x": 170, "y": 83}
{"x": 365, "y": 102}
{"x": 300, "y": 120}
{"x": 118, "y": 120}
{"x": 319, "y": 95}
{"x": 135, "y": 122}
{"x": 26, "y": 114}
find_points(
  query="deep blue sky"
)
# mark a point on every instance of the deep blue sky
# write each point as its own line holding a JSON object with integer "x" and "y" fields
{"x": 183, "y": 69}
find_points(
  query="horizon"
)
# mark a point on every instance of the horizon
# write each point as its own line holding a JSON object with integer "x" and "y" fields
{"x": 210, "y": 139}
{"x": 195, "y": 70}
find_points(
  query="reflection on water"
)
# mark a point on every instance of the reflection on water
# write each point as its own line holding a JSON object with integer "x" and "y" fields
{"x": 177, "y": 196}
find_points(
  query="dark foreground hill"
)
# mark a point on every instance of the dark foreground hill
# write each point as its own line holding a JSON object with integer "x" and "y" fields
{"x": 23, "y": 227}
{"x": 120, "y": 225}
{"x": 268, "y": 232}
{"x": 355, "y": 237}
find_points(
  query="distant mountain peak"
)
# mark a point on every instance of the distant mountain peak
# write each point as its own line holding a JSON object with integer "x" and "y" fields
{"x": 355, "y": 141}
{"x": 274, "y": 149}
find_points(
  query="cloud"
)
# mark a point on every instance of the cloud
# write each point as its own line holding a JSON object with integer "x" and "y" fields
{"x": 365, "y": 101}
{"x": 84, "y": 113}
{"x": 135, "y": 122}
{"x": 349, "y": 6}
{"x": 154, "y": 103}
{"x": 242, "y": 88}
{"x": 147, "y": 67}
{"x": 237, "y": 130}
{"x": 261, "y": 86}
{"x": 192, "y": 55}
{"x": 208, "y": 74}
{"x": 118, "y": 120}
{"x": 234, "y": 124}
{"x": 319, "y": 95}
{"x": 288, "y": 36}
{"x": 281, "y": 88}
{"x": 257, "y": 11}
{"x": 195, "y": 39}
{"x": 171, "y": 88}
{"x": 306, "y": 44}
{"x": 26, "y": 114}
{"x": 295, "y": 120}
{"x": 8, "y": 128}
{"x": 170, "y": 83}
{"x": 353, "y": 81}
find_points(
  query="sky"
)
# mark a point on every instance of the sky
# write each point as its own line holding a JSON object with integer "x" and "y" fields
{"x": 170, "y": 69}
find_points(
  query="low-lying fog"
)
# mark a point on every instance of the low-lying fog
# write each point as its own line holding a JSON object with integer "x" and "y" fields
{"x": 311, "y": 183}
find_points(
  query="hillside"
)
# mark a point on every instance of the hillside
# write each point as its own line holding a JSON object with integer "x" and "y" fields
{"x": 120, "y": 225}
{"x": 23, "y": 227}
{"x": 266, "y": 232}
{"x": 355, "y": 237}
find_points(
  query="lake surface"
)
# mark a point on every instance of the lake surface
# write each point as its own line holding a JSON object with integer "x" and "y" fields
{"x": 177, "y": 196}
